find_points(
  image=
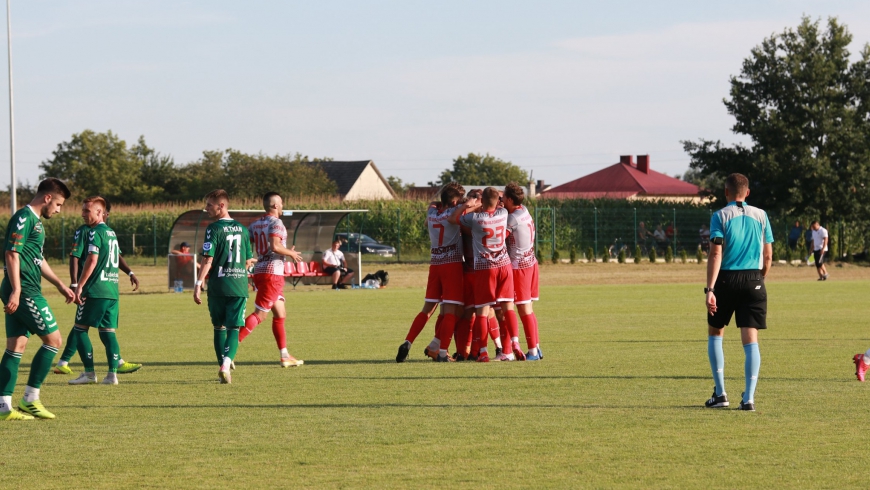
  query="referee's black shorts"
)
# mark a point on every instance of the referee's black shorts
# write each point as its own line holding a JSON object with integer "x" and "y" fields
{"x": 819, "y": 257}
{"x": 743, "y": 293}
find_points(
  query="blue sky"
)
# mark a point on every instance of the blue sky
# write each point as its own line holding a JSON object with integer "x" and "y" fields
{"x": 560, "y": 88}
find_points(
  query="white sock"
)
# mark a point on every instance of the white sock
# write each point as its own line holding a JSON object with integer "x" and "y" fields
{"x": 31, "y": 394}
{"x": 226, "y": 365}
{"x": 5, "y": 404}
{"x": 533, "y": 351}
{"x": 284, "y": 353}
{"x": 62, "y": 363}
{"x": 482, "y": 350}
{"x": 867, "y": 357}
{"x": 515, "y": 339}
{"x": 434, "y": 344}
{"x": 442, "y": 352}
{"x": 498, "y": 342}
{"x": 511, "y": 356}
{"x": 120, "y": 362}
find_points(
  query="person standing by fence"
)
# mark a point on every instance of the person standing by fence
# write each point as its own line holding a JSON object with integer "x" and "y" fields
{"x": 820, "y": 249}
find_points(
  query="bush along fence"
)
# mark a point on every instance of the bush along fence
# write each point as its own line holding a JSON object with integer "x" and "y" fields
{"x": 612, "y": 230}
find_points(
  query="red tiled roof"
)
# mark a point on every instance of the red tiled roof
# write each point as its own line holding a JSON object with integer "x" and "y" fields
{"x": 620, "y": 181}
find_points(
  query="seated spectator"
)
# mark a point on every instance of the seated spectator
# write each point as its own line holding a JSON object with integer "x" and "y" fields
{"x": 183, "y": 262}
{"x": 794, "y": 235}
{"x": 334, "y": 263}
{"x": 660, "y": 237}
{"x": 642, "y": 233}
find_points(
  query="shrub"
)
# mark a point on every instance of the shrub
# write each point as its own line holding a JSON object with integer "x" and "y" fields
{"x": 652, "y": 255}
{"x": 621, "y": 257}
{"x": 637, "y": 254}
{"x": 669, "y": 255}
{"x": 539, "y": 256}
{"x": 573, "y": 254}
{"x": 590, "y": 255}
{"x": 700, "y": 256}
{"x": 555, "y": 258}
{"x": 684, "y": 257}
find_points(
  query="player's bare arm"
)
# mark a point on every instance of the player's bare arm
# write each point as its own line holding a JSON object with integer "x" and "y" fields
{"x": 73, "y": 269}
{"x": 714, "y": 262}
{"x": 197, "y": 288}
{"x": 767, "y": 253}
{"x": 291, "y": 252}
{"x": 13, "y": 271}
{"x": 122, "y": 265}
{"x": 470, "y": 206}
{"x": 87, "y": 271}
{"x": 49, "y": 274}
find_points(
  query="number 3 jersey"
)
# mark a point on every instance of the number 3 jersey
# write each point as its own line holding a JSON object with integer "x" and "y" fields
{"x": 445, "y": 237}
{"x": 228, "y": 243}
{"x": 262, "y": 231}
{"x": 102, "y": 242}
{"x": 488, "y": 238}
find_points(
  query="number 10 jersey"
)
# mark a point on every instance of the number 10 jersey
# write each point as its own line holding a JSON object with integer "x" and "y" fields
{"x": 102, "y": 242}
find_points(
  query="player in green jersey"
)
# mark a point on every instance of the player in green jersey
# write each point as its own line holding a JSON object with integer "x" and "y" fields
{"x": 227, "y": 250}
{"x": 25, "y": 268}
{"x": 97, "y": 293}
{"x": 72, "y": 340}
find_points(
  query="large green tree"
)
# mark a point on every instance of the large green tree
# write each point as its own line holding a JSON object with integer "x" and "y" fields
{"x": 100, "y": 164}
{"x": 476, "y": 169}
{"x": 805, "y": 108}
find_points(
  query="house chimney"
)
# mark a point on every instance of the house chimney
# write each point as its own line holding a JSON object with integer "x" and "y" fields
{"x": 643, "y": 163}
{"x": 627, "y": 159}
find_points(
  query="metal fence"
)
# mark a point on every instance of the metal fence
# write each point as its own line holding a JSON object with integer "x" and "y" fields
{"x": 604, "y": 229}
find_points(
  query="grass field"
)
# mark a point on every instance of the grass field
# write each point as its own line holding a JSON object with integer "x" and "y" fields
{"x": 615, "y": 403}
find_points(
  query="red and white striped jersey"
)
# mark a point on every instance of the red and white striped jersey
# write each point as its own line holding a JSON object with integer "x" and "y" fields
{"x": 521, "y": 239}
{"x": 261, "y": 231}
{"x": 488, "y": 233}
{"x": 445, "y": 237}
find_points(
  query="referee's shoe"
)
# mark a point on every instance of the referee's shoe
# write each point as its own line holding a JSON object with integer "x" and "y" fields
{"x": 717, "y": 401}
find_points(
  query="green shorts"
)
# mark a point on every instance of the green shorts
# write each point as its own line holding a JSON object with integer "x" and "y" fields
{"x": 227, "y": 311}
{"x": 98, "y": 313}
{"x": 33, "y": 316}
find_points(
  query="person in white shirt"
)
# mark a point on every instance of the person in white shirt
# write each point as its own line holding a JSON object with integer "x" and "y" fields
{"x": 820, "y": 249}
{"x": 334, "y": 263}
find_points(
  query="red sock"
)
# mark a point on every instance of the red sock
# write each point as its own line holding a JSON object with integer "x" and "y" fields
{"x": 480, "y": 335}
{"x": 513, "y": 325}
{"x": 279, "y": 332}
{"x": 417, "y": 327}
{"x": 530, "y": 326}
{"x": 461, "y": 333}
{"x": 470, "y": 333}
{"x": 438, "y": 327}
{"x": 250, "y": 324}
{"x": 504, "y": 333}
{"x": 447, "y": 327}
{"x": 493, "y": 328}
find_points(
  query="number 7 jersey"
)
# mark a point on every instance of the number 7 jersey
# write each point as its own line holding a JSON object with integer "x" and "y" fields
{"x": 103, "y": 282}
{"x": 228, "y": 243}
{"x": 445, "y": 237}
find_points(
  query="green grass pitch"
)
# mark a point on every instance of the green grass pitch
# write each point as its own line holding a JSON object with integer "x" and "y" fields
{"x": 615, "y": 403}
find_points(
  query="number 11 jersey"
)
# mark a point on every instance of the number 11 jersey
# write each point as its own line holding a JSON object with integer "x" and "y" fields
{"x": 229, "y": 245}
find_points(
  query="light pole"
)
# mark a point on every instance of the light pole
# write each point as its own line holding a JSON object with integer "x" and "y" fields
{"x": 13, "y": 191}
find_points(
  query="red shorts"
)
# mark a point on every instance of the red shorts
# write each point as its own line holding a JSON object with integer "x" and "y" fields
{"x": 270, "y": 288}
{"x": 445, "y": 284}
{"x": 526, "y": 285}
{"x": 468, "y": 279}
{"x": 493, "y": 286}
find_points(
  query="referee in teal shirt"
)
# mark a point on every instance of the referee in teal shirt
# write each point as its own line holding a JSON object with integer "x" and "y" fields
{"x": 741, "y": 251}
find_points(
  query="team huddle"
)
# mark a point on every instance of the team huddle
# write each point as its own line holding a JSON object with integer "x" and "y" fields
{"x": 482, "y": 271}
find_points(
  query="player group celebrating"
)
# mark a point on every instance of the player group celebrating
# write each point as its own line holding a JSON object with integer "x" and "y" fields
{"x": 483, "y": 268}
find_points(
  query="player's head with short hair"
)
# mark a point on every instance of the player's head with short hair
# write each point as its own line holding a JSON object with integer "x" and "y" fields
{"x": 51, "y": 194}
{"x": 94, "y": 210}
{"x": 217, "y": 203}
{"x": 815, "y": 225}
{"x": 452, "y": 193}
{"x": 474, "y": 194}
{"x": 515, "y": 193}
{"x": 336, "y": 243}
{"x": 490, "y": 198}
{"x": 272, "y": 200}
{"x": 737, "y": 186}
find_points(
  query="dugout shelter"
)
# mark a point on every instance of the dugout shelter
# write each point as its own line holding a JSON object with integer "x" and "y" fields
{"x": 310, "y": 231}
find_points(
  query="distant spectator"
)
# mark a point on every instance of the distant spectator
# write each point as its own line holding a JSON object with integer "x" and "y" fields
{"x": 183, "y": 262}
{"x": 642, "y": 233}
{"x": 670, "y": 232}
{"x": 820, "y": 249}
{"x": 334, "y": 263}
{"x": 660, "y": 237}
{"x": 704, "y": 238}
{"x": 794, "y": 235}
